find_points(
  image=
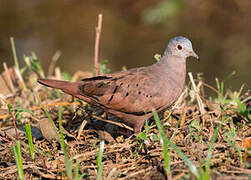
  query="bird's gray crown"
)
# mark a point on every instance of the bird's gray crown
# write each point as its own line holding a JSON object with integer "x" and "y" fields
{"x": 181, "y": 40}
{"x": 181, "y": 47}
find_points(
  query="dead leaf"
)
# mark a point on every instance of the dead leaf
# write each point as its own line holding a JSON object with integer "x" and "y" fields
{"x": 47, "y": 129}
{"x": 105, "y": 136}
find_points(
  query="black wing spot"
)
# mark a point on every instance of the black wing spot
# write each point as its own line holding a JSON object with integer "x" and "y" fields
{"x": 139, "y": 92}
{"x": 100, "y": 85}
{"x": 114, "y": 91}
{"x": 110, "y": 99}
{"x": 146, "y": 95}
{"x": 96, "y": 78}
{"x": 137, "y": 85}
{"x": 127, "y": 94}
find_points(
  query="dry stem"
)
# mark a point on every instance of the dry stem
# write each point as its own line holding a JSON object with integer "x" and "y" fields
{"x": 96, "y": 50}
{"x": 200, "y": 103}
{"x": 8, "y": 77}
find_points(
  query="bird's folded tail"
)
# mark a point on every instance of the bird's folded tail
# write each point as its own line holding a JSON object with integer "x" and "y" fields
{"x": 66, "y": 86}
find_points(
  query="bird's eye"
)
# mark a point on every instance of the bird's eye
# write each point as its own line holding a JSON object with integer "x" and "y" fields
{"x": 179, "y": 47}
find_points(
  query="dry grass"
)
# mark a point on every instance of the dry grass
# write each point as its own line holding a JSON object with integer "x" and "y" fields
{"x": 123, "y": 158}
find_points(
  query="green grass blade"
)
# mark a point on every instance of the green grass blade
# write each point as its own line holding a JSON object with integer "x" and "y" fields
{"x": 14, "y": 53}
{"x": 164, "y": 143}
{"x": 16, "y": 62}
{"x": 230, "y": 137}
{"x": 210, "y": 148}
{"x": 238, "y": 149}
{"x": 99, "y": 160}
{"x": 30, "y": 142}
{"x": 191, "y": 166}
{"x": 239, "y": 103}
{"x": 36, "y": 65}
{"x": 246, "y": 99}
{"x": 51, "y": 121}
{"x": 18, "y": 158}
{"x": 68, "y": 164}
{"x": 229, "y": 76}
{"x": 76, "y": 175}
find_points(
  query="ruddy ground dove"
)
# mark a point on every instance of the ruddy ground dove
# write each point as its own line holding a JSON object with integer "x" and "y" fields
{"x": 132, "y": 94}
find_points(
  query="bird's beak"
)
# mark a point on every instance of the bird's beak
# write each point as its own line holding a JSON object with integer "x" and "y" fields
{"x": 195, "y": 55}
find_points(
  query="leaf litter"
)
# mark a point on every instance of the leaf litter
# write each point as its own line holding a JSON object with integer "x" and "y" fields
{"x": 125, "y": 156}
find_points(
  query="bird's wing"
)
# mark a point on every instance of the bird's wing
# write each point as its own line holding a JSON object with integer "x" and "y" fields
{"x": 137, "y": 91}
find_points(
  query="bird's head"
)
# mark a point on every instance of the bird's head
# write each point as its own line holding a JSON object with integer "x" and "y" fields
{"x": 181, "y": 47}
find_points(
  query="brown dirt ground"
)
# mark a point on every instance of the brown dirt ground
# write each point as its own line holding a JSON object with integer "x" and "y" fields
{"x": 123, "y": 158}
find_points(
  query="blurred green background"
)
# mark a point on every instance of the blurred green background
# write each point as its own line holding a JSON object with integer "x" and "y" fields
{"x": 132, "y": 32}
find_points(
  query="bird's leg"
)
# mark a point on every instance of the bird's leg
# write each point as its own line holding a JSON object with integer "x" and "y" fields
{"x": 106, "y": 115}
{"x": 139, "y": 123}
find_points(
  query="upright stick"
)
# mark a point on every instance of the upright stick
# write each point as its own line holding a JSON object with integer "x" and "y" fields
{"x": 200, "y": 103}
{"x": 98, "y": 33}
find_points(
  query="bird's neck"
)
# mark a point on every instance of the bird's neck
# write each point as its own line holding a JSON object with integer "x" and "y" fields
{"x": 174, "y": 68}
{"x": 173, "y": 63}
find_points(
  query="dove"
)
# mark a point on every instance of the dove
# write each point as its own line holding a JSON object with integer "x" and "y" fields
{"x": 131, "y": 95}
